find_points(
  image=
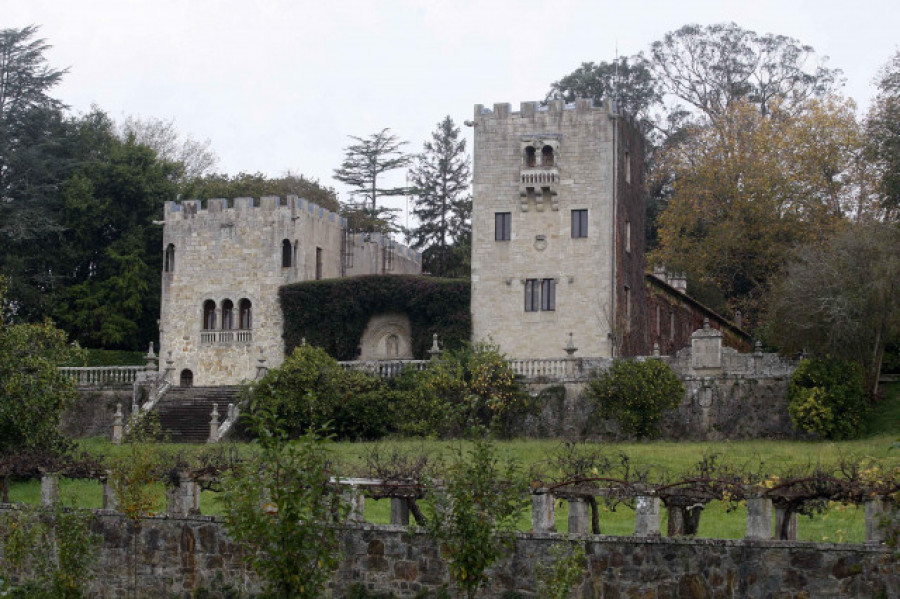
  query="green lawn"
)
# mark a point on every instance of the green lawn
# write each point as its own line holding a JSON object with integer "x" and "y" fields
{"x": 661, "y": 458}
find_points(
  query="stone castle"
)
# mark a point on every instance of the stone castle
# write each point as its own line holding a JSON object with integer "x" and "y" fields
{"x": 557, "y": 256}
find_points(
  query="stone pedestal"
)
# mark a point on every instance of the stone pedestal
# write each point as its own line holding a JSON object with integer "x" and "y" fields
{"x": 759, "y": 518}
{"x": 49, "y": 489}
{"x": 790, "y": 534}
{"x": 399, "y": 511}
{"x": 579, "y": 516}
{"x": 357, "y": 503}
{"x": 183, "y": 499}
{"x": 110, "y": 501}
{"x": 543, "y": 512}
{"x": 646, "y": 516}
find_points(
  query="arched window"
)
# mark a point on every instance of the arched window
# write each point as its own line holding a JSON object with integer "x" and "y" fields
{"x": 546, "y": 156}
{"x": 186, "y": 378}
{"x": 227, "y": 315}
{"x": 286, "y": 254}
{"x": 530, "y": 156}
{"x": 170, "y": 258}
{"x": 209, "y": 315}
{"x": 245, "y": 321}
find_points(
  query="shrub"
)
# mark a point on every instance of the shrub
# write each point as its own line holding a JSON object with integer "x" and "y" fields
{"x": 310, "y": 389}
{"x": 827, "y": 397}
{"x": 470, "y": 386}
{"x": 636, "y": 394}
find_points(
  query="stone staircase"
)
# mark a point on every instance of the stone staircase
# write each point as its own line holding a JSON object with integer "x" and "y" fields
{"x": 184, "y": 411}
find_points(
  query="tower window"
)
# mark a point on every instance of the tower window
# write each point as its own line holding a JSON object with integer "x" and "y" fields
{"x": 227, "y": 315}
{"x": 170, "y": 258}
{"x": 579, "y": 224}
{"x": 286, "y": 254}
{"x": 318, "y": 263}
{"x": 209, "y": 315}
{"x": 502, "y": 226}
{"x": 532, "y": 295}
{"x": 546, "y": 156}
{"x": 627, "y": 167}
{"x": 530, "y": 156}
{"x": 540, "y": 295}
{"x": 548, "y": 294}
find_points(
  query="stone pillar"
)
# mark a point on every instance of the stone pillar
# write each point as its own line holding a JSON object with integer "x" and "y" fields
{"x": 579, "y": 516}
{"x": 399, "y": 511}
{"x": 49, "y": 489}
{"x": 706, "y": 350}
{"x": 357, "y": 503}
{"x": 435, "y": 351}
{"x": 875, "y": 520}
{"x": 214, "y": 425}
{"x": 110, "y": 501}
{"x": 676, "y": 521}
{"x": 118, "y": 426}
{"x": 759, "y": 518}
{"x": 543, "y": 511}
{"x": 183, "y": 499}
{"x": 791, "y": 532}
{"x": 646, "y": 516}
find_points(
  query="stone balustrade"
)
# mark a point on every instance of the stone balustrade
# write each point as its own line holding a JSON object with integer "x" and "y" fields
{"x": 99, "y": 376}
{"x": 383, "y": 368}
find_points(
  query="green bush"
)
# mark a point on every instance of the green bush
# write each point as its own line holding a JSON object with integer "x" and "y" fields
{"x": 636, "y": 394}
{"x": 469, "y": 386}
{"x": 827, "y": 397}
{"x": 310, "y": 389}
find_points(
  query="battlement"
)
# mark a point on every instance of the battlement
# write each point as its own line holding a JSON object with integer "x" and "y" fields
{"x": 249, "y": 206}
{"x": 528, "y": 110}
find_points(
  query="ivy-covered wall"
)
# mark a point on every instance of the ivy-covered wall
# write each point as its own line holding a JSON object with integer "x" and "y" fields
{"x": 333, "y": 313}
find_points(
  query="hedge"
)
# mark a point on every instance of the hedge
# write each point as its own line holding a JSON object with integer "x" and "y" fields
{"x": 333, "y": 313}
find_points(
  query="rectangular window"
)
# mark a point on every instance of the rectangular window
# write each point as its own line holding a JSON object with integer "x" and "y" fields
{"x": 318, "y": 263}
{"x": 532, "y": 295}
{"x": 627, "y": 309}
{"x": 548, "y": 294}
{"x": 579, "y": 224}
{"x": 628, "y": 236}
{"x": 502, "y": 226}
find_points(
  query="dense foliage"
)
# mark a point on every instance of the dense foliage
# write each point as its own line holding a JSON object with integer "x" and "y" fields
{"x": 333, "y": 314}
{"x": 469, "y": 386}
{"x": 827, "y": 397}
{"x": 310, "y": 389}
{"x": 282, "y": 506}
{"x": 636, "y": 394}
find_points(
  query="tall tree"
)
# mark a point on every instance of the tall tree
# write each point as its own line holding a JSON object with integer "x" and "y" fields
{"x": 627, "y": 80}
{"x": 440, "y": 179}
{"x": 842, "y": 298}
{"x": 749, "y": 187}
{"x": 25, "y": 80}
{"x": 708, "y": 68}
{"x": 364, "y": 162}
{"x": 883, "y": 137}
{"x": 195, "y": 157}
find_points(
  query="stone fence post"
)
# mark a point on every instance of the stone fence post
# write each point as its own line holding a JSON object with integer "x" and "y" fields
{"x": 400, "y": 511}
{"x": 646, "y": 516}
{"x": 543, "y": 511}
{"x": 183, "y": 499}
{"x": 110, "y": 501}
{"x": 49, "y": 489}
{"x": 759, "y": 518}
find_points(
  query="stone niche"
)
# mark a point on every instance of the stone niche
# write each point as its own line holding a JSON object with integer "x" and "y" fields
{"x": 387, "y": 337}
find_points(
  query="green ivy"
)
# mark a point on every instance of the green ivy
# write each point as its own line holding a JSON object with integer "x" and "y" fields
{"x": 333, "y": 314}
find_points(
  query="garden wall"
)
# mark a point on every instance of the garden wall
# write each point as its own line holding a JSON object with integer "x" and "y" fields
{"x": 178, "y": 557}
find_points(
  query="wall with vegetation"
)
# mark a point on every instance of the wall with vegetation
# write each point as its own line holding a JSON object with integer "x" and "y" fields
{"x": 333, "y": 314}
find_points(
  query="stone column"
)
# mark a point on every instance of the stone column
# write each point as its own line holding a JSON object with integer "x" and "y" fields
{"x": 791, "y": 533}
{"x": 214, "y": 425}
{"x": 118, "y": 426}
{"x": 110, "y": 501}
{"x": 646, "y": 516}
{"x": 759, "y": 518}
{"x": 183, "y": 499}
{"x": 357, "y": 503}
{"x": 875, "y": 514}
{"x": 579, "y": 516}
{"x": 543, "y": 511}
{"x": 399, "y": 511}
{"x": 49, "y": 489}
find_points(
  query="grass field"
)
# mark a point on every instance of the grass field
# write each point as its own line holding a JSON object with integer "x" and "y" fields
{"x": 839, "y": 524}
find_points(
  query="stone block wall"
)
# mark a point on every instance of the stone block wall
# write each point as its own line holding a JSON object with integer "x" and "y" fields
{"x": 186, "y": 556}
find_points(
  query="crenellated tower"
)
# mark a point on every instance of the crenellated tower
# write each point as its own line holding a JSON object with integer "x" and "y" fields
{"x": 558, "y": 229}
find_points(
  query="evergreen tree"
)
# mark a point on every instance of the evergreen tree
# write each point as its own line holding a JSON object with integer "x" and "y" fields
{"x": 440, "y": 178}
{"x": 364, "y": 162}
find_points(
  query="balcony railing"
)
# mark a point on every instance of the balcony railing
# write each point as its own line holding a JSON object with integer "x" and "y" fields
{"x": 226, "y": 337}
{"x": 98, "y": 376}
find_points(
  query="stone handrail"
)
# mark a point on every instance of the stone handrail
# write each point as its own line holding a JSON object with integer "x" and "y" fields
{"x": 384, "y": 368}
{"x": 98, "y": 376}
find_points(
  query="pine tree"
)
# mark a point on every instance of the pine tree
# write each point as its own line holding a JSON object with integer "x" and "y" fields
{"x": 440, "y": 178}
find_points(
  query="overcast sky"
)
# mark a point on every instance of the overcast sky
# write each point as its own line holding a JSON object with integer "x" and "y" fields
{"x": 279, "y": 85}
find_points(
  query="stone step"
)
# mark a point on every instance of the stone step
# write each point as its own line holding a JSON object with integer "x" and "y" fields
{"x": 184, "y": 412}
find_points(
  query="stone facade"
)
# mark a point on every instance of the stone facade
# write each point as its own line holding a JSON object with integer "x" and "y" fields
{"x": 558, "y": 230}
{"x": 223, "y": 264}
